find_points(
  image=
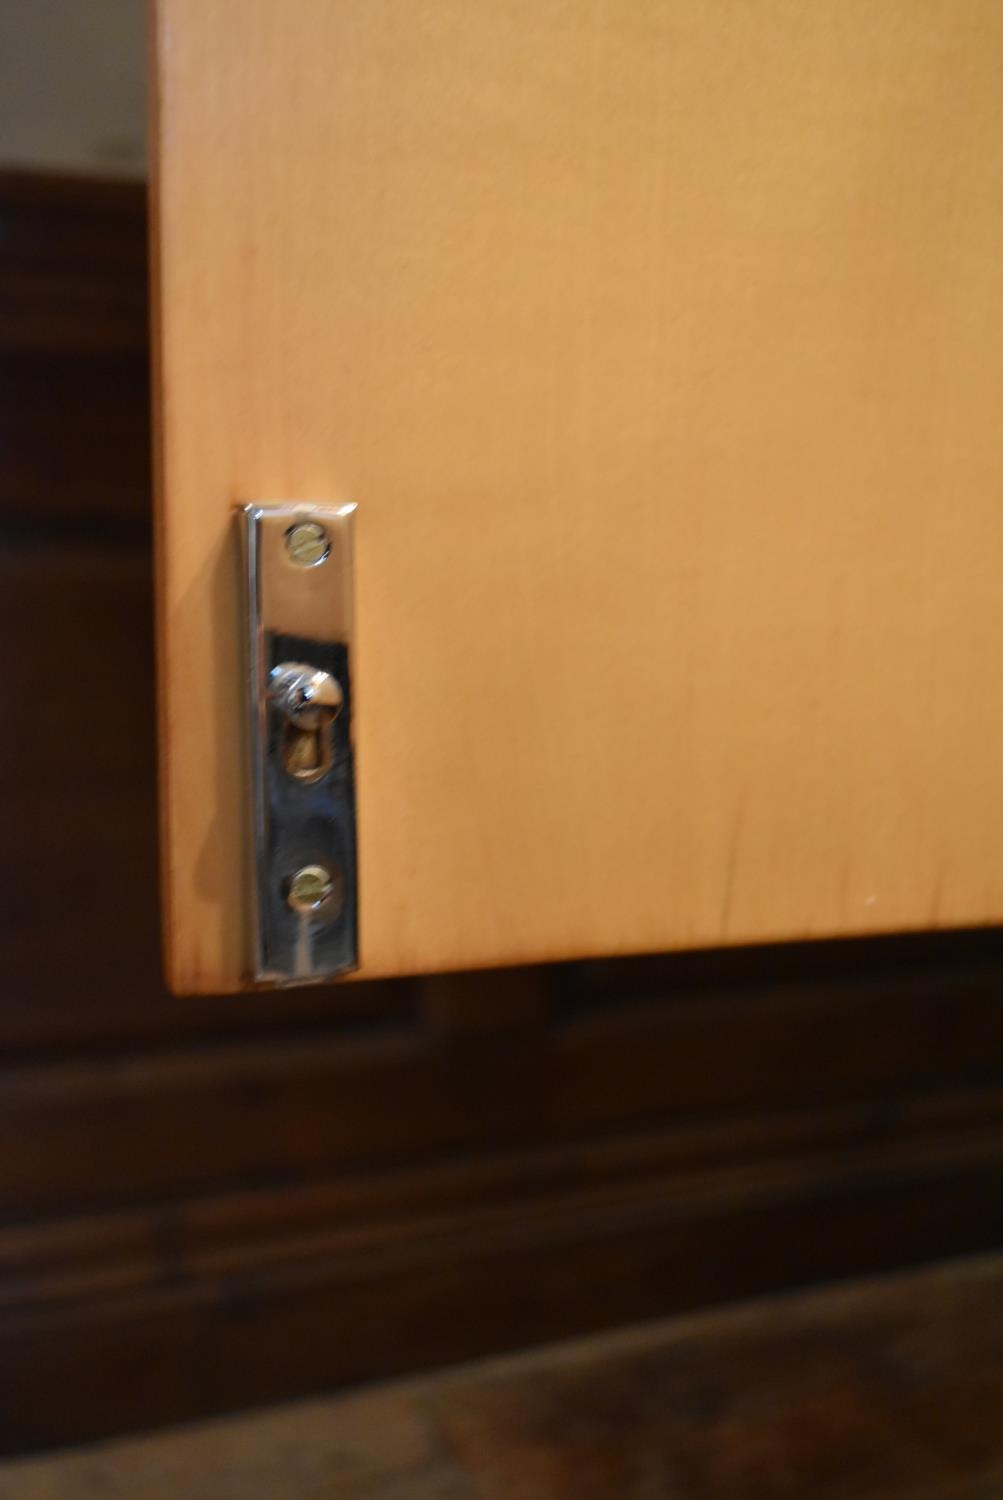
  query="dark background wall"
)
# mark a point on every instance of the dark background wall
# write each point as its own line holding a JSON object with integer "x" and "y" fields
{"x": 212, "y": 1203}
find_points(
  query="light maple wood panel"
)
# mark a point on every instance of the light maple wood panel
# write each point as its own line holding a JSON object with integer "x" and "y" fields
{"x": 660, "y": 344}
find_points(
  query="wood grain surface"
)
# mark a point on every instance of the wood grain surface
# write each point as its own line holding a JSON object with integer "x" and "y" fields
{"x": 660, "y": 346}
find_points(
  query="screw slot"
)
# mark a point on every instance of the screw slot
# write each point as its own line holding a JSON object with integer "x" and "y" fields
{"x": 308, "y": 544}
{"x": 313, "y": 889}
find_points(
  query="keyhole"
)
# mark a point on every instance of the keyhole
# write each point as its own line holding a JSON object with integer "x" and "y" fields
{"x": 306, "y": 753}
{"x": 311, "y": 700}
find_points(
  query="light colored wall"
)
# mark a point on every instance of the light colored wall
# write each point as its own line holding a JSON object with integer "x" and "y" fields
{"x": 72, "y": 85}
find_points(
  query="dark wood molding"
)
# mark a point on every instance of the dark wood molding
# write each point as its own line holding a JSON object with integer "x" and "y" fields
{"x": 318, "y": 1100}
{"x": 522, "y": 1196}
{"x": 167, "y": 1314}
{"x": 73, "y": 258}
{"x": 74, "y": 361}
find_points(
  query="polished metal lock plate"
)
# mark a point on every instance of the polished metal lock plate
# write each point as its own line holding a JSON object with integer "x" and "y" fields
{"x": 298, "y": 573}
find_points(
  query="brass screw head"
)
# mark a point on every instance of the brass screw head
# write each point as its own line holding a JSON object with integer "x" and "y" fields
{"x": 311, "y": 888}
{"x": 307, "y": 544}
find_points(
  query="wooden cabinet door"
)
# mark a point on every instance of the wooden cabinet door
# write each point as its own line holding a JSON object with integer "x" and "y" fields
{"x": 659, "y": 344}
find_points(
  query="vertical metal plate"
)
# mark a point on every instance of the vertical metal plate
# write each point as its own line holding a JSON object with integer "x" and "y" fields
{"x": 298, "y": 569}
